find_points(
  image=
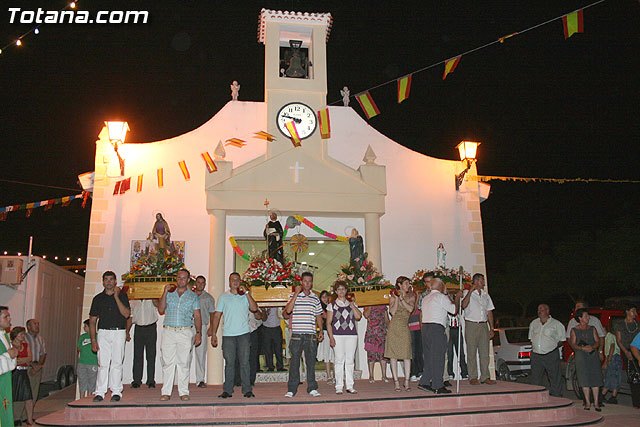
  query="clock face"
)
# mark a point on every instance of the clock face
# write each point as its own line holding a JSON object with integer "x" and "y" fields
{"x": 302, "y": 115}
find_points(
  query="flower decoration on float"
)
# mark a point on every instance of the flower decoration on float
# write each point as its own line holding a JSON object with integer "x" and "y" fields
{"x": 154, "y": 265}
{"x": 450, "y": 277}
{"x": 363, "y": 277}
{"x": 269, "y": 272}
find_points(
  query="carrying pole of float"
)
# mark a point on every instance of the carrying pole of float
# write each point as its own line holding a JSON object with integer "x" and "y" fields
{"x": 458, "y": 310}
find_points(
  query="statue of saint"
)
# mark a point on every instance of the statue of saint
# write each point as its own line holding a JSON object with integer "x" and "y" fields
{"x": 441, "y": 256}
{"x": 161, "y": 233}
{"x": 273, "y": 233}
{"x": 345, "y": 96}
{"x": 356, "y": 248}
{"x": 235, "y": 90}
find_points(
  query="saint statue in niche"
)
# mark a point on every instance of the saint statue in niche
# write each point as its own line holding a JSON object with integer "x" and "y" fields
{"x": 356, "y": 248}
{"x": 441, "y": 256}
{"x": 161, "y": 233}
{"x": 273, "y": 233}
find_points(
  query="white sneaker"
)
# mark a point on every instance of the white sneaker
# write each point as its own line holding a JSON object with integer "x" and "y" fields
{"x": 314, "y": 393}
{"x": 288, "y": 394}
{"x": 413, "y": 378}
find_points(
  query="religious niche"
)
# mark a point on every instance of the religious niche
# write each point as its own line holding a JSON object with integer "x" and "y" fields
{"x": 154, "y": 262}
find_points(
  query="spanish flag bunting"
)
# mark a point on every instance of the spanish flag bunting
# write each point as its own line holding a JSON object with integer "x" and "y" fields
{"x": 66, "y": 201}
{"x": 85, "y": 198}
{"x": 573, "y": 23}
{"x": 325, "y": 123}
{"x": 236, "y": 142}
{"x": 265, "y": 135}
{"x": 160, "y": 178}
{"x": 139, "y": 184}
{"x": 125, "y": 186}
{"x": 116, "y": 188}
{"x": 208, "y": 161}
{"x": 367, "y": 104}
{"x": 48, "y": 205}
{"x": 295, "y": 137}
{"x": 184, "y": 170}
{"x": 450, "y": 65}
{"x": 404, "y": 87}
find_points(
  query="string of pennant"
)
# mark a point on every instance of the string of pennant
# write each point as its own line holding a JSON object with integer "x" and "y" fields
{"x": 19, "y": 41}
{"x": 572, "y": 23}
{"x": 46, "y": 204}
{"x": 487, "y": 178}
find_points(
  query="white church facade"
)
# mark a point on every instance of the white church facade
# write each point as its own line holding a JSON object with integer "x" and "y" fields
{"x": 403, "y": 203}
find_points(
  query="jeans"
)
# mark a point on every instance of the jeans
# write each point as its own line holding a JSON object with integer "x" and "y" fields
{"x": 299, "y": 343}
{"x": 233, "y": 348}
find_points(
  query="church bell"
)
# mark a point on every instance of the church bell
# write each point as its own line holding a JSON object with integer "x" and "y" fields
{"x": 295, "y": 69}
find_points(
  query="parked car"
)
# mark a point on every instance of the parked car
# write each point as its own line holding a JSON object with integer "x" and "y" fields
{"x": 512, "y": 350}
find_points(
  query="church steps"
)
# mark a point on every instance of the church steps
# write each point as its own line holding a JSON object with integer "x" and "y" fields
{"x": 376, "y": 405}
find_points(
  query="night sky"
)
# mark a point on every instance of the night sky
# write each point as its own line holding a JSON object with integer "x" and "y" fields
{"x": 542, "y": 106}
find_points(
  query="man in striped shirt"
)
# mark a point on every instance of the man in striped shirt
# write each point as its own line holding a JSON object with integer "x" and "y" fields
{"x": 306, "y": 320}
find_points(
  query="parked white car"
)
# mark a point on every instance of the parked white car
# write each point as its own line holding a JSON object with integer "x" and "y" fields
{"x": 512, "y": 350}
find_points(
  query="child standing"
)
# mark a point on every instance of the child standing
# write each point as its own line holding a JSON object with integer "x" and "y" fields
{"x": 87, "y": 363}
{"x": 613, "y": 368}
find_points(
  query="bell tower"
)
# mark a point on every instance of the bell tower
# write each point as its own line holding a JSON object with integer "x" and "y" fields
{"x": 295, "y": 86}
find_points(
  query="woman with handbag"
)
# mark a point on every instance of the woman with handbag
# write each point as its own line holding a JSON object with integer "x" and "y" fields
{"x": 585, "y": 343}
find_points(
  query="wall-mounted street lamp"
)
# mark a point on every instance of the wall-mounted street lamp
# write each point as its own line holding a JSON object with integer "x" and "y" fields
{"x": 117, "y": 132}
{"x": 468, "y": 150}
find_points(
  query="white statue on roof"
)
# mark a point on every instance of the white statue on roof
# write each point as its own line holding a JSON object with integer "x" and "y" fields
{"x": 345, "y": 96}
{"x": 235, "y": 90}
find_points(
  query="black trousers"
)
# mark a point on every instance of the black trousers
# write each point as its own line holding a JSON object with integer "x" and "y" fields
{"x": 417, "y": 362}
{"x": 549, "y": 363}
{"x": 453, "y": 347}
{"x": 434, "y": 350}
{"x": 144, "y": 340}
{"x": 272, "y": 344}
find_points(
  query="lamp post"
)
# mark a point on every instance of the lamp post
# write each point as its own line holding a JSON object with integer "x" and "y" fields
{"x": 117, "y": 132}
{"x": 468, "y": 150}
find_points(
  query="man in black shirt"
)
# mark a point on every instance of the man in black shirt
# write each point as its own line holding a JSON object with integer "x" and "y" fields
{"x": 112, "y": 308}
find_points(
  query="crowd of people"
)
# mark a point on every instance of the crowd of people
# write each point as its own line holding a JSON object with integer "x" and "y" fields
{"x": 418, "y": 332}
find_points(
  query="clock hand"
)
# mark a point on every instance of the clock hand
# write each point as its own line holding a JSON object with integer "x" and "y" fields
{"x": 295, "y": 119}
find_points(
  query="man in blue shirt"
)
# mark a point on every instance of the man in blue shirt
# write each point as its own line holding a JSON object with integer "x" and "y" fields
{"x": 181, "y": 308}
{"x": 236, "y": 333}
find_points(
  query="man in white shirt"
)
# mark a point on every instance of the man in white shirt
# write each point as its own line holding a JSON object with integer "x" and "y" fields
{"x": 478, "y": 321}
{"x": 207, "y": 310}
{"x": 8, "y": 355}
{"x": 144, "y": 314}
{"x": 435, "y": 307}
{"x": 546, "y": 335}
{"x": 593, "y": 321}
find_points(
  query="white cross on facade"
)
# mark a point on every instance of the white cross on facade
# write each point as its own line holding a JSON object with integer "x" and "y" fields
{"x": 296, "y": 172}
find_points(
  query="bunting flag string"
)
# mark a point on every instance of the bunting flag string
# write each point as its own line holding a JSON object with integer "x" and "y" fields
{"x": 265, "y": 135}
{"x": 139, "y": 184}
{"x": 184, "y": 170}
{"x": 367, "y": 104}
{"x": 293, "y": 131}
{"x": 47, "y": 204}
{"x": 237, "y": 249}
{"x": 325, "y": 124}
{"x": 236, "y": 142}
{"x": 572, "y": 22}
{"x": 315, "y": 228}
{"x": 450, "y": 66}
{"x": 487, "y": 178}
{"x": 208, "y": 161}
{"x": 404, "y": 88}
{"x": 160, "y": 174}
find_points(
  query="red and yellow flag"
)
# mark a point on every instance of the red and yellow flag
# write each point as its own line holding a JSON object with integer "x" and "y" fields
{"x": 404, "y": 87}
{"x": 325, "y": 124}
{"x": 208, "y": 161}
{"x": 295, "y": 137}
{"x": 236, "y": 142}
{"x": 450, "y": 65}
{"x": 139, "y": 185}
{"x": 184, "y": 170}
{"x": 367, "y": 104}
{"x": 265, "y": 135}
{"x": 573, "y": 23}
{"x": 116, "y": 188}
{"x": 160, "y": 174}
{"x": 125, "y": 186}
